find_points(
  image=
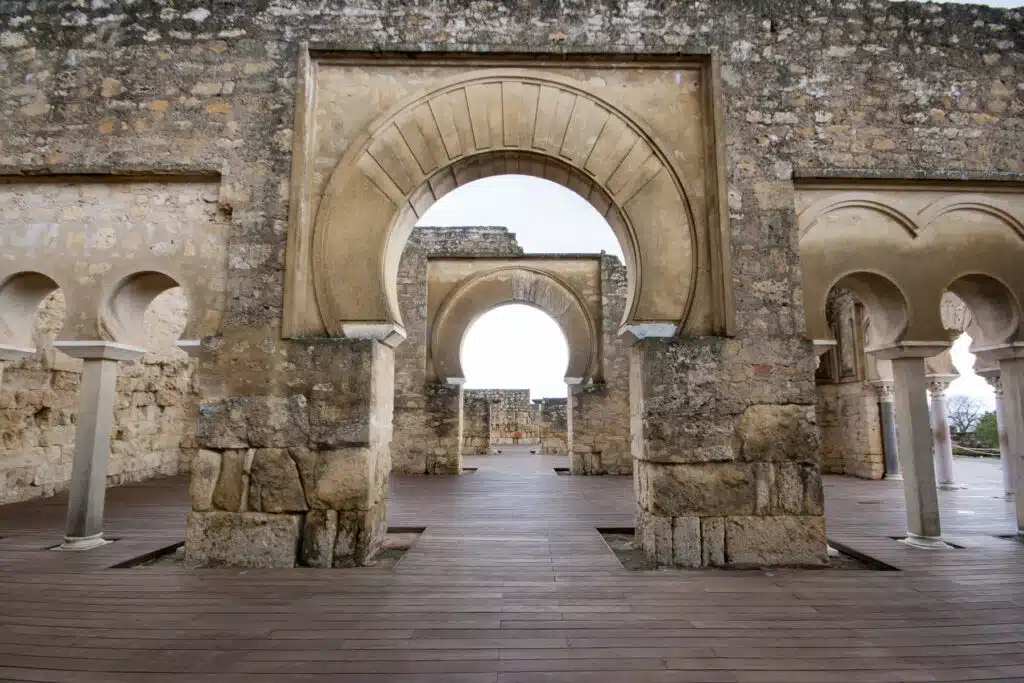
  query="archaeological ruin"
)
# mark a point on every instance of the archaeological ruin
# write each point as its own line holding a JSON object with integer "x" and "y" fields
{"x": 209, "y": 263}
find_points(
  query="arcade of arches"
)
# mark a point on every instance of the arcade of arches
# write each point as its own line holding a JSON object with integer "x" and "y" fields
{"x": 327, "y": 343}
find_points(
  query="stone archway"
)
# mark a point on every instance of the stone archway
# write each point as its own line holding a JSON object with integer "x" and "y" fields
{"x": 513, "y": 285}
{"x": 485, "y": 123}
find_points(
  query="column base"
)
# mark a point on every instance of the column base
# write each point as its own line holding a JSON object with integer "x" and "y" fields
{"x": 950, "y": 486}
{"x": 75, "y": 543}
{"x": 894, "y": 477}
{"x": 925, "y": 542}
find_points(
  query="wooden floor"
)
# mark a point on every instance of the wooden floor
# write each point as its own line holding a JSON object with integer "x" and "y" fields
{"x": 511, "y": 582}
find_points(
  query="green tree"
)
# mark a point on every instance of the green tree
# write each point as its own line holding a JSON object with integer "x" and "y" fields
{"x": 987, "y": 432}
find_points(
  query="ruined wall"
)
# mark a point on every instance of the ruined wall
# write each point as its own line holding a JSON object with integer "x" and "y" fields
{"x": 154, "y": 411}
{"x": 476, "y": 423}
{"x": 851, "y": 432}
{"x": 423, "y": 438}
{"x": 552, "y": 420}
{"x": 855, "y": 88}
{"x": 600, "y": 420}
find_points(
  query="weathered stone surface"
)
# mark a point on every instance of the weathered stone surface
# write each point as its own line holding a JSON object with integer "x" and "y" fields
{"x": 250, "y": 539}
{"x": 319, "y": 531}
{"x": 223, "y": 424}
{"x": 231, "y": 485}
{"x": 712, "y": 533}
{"x": 686, "y": 542}
{"x": 205, "y": 472}
{"x": 778, "y": 433}
{"x": 655, "y": 536}
{"x": 772, "y": 541}
{"x": 715, "y": 489}
{"x": 360, "y": 534}
{"x": 275, "y": 422}
{"x": 341, "y": 479}
{"x": 274, "y": 484}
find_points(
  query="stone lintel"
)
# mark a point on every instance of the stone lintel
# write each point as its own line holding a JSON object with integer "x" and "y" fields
{"x": 8, "y": 352}
{"x": 998, "y": 352}
{"x": 909, "y": 349}
{"x": 99, "y": 350}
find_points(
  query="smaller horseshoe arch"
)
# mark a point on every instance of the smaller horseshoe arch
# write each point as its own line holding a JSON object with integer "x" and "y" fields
{"x": 509, "y": 285}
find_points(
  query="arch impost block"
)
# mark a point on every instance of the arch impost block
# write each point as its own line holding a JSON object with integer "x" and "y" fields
{"x": 189, "y": 346}
{"x": 998, "y": 352}
{"x": 388, "y": 334}
{"x": 637, "y": 331}
{"x": 823, "y": 345}
{"x": 8, "y": 352}
{"x": 99, "y": 350}
{"x": 455, "y": 381}
{"x": 909, "y": 349}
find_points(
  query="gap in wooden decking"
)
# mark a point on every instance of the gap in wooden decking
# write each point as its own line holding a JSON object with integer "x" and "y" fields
{"x": 561, "y": 470}
{"x": 622, "y": 542}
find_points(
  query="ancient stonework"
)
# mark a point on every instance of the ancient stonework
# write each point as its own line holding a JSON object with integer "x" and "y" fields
{"x": 719, "y": 107}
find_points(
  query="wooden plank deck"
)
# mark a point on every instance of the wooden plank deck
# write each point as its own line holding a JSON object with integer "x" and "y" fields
{"x": 511, "y": 583}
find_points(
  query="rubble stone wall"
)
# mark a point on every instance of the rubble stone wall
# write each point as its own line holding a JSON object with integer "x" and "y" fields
{"x": 423, "y": 442}
{"x": 854, "y": 88}
{"x": 154, "y": 411}
{"x": 552, "y": 419}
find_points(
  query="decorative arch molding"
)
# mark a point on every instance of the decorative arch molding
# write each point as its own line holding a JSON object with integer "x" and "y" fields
{"x": 20, "y": 296}
{"x": 809, "y": 216}
{"x": 967, "y": 202}
{"x": 507, "y": 285}
{"x": 978, "y": 260}
{"x": 479, "y": 124}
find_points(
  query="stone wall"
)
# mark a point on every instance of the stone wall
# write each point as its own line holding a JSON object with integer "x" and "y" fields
{"x": 493, "y": 417}
{"x": 851, "y": 431}
{"x": 809, "y": 89}
{"x": 552, "y": 419}
{"x": 423, "y": 441}
{"x": 154, "y": 412}
{"x": 600, "y": 420}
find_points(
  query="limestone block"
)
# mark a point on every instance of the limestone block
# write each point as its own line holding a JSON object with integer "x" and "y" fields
{"x": 686, "y": 542}
{"x": 274, "y": 484}
{"x": 360, "y": 534}
{"x": 222, "y": 424}
{"x": 655, "y": 535}
{"x": 778, "y": 433}
{"x": 713, "y": 489}
{"x": 712, "y": 534}
{"x": 250, "y": 539}
{"x": 774, "y": 541}
{"x": 205, "y": 472}
{"x": 319, "y": 531}
{"x": 276, "y": 422}
{"x": 230, "y": 489}
{"x": 341, "y": 479}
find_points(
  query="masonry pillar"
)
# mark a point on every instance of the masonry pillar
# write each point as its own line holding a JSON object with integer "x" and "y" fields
{"x": 726, "y": 470}
{"x": 295, "y": 471}
{"x": 887, "y": 415}
{"x": 445, "y": 418}
{"x": 1006, "y": 462}
{"x": 914, "y": 442}
{"x": 94, "y": 422}
{"x": 942, "y": 442}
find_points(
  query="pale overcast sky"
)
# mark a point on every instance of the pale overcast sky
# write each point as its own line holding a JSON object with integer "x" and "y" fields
{"x": 518, "y": 347}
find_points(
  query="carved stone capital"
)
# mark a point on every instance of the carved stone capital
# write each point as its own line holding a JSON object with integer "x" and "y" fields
{"x": 885, "y": 391}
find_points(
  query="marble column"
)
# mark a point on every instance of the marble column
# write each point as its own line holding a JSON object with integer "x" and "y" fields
{"x": 887, "y": 415}
{"x": 942, "y": 443}
{"x": 93, "y": 423}
{"x": 1008, "y": 464}
{"x": 914, "y": 441}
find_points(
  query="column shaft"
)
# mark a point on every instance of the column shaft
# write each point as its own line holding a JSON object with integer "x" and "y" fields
{"x": 943, "y": 444}
{"x": 1011, "y": 375}
{"x": 887, "y": 415}
{"x": 95, "y": 420}
{"x": 914, "y": 443}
